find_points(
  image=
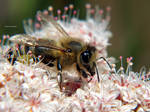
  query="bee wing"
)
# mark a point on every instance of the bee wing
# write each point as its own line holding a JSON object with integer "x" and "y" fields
{"x": 35, "y": 42}
{"x": 23, "y": 39}
{"x": 53, "y": 22}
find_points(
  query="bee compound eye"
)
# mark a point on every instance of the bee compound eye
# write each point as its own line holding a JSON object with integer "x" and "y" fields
{"x": 85, "y": 56}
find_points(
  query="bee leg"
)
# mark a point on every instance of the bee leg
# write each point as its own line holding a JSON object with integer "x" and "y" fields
{"x": 90, "y": 80}
{"x": 11, "y": 57}
{"x": 84, "y": 74}
{"x": 59, "y": 75}
{"x": 59, "y": 80}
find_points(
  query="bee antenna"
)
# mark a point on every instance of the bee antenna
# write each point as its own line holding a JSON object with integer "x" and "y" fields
{"x": 105, "y": 61}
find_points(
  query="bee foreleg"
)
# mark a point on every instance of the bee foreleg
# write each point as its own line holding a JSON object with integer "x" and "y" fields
{"x": 59, "y": 75}
{"x": 59, "y": 80}
{"x": 83, "y": 73}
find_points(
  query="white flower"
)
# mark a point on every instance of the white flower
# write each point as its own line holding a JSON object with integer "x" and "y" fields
{"x": 34, "y": 87}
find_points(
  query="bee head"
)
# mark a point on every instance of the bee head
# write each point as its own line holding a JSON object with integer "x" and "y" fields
{"x": 87, "y": 58}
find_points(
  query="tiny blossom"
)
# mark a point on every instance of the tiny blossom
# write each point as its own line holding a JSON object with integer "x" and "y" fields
{"x": 33, "y": 87}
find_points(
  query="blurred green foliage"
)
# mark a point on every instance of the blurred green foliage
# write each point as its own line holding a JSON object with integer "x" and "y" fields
{"x": 129, "y": 24}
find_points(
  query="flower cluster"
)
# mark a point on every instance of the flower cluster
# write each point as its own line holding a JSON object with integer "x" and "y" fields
{"x": 33, "y": 87}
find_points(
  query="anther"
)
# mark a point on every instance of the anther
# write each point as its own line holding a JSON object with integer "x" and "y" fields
{"x": 45, "y": 12}
{"x": 101, "y": 11}
{"x": 71, "y": 6}
{"x": 88, "y": 6}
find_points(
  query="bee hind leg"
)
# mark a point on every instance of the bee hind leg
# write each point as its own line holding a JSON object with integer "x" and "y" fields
{"x": 10, "y": 56}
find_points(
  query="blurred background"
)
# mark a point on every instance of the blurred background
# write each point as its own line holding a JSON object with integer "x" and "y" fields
{"x": 130, "y": 23}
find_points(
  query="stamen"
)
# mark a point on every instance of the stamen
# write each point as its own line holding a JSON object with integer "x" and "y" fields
{"x": 30, "y": 22}
{"x": 108, "y": 9}
{"x": 129, "y": 66}
{"x": 55, "y": 18}
{"x": 7, "y": 42}
{"x": 3, "y": 40}
{"x": 92, "y": 11}
{"x": 106, "y": 62}
{"x": 65, "y": 14}
{"x": 63, "y": 17}
{"x": 88, "y": 13}
{"x": 65, "y": 10}
{"x": 59, "y": 14}
{"x": 45, "y": 12}
{"x": 37, "y": 25}
{"x": 74, "y": 13}
{"x": 50, "y": 9}
{"x": 142, "y": 72}
{"x": 121, "y": 67}
{"x": 70, "y": 11}
{"x": 78, "y": 12}
{"x": 101, "y": 12}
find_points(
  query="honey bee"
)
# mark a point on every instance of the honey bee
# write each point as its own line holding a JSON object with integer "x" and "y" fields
{"x": 65, "y": 52}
